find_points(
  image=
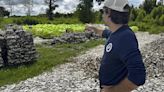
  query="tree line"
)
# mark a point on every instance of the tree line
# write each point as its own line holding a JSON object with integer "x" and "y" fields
{"x": 149, "y": 11}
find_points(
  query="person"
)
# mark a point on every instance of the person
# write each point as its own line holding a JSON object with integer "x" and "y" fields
{"x": 122, "y": 68}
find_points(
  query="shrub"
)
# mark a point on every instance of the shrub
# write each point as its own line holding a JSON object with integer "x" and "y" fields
{"x": 157, "y": 12}
{"x": 26, "y": 20}
{"x": 156, "y": 29}
{"x": 133, "y": 14}
{"x": 1, "y": 19}
{"x": 161, "y": 21}
{"x": 141, "y": 15}
{"x": 30, "y": 21}
{"x": 18, "y": 21}
{"x": 143, "y": 26}
{"x": 148, "y": 19}
{"x": 132, "y": 23}
{"x": 134, "y": 28}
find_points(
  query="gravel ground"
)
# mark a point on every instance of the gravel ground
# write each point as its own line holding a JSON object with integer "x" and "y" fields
{"x": 73, "y": 77}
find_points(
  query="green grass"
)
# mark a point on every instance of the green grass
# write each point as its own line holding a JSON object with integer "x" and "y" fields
{"x": 49, "y": 56}
{"x": 53, "y": 30}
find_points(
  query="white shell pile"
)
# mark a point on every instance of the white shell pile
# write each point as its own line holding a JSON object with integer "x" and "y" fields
{"x": 1, "y": 60}
{"x": 19, "y": 47}
{"x": 81, "y": 75}
{"x": 75, "y": 37}
{"x": 153, "y": 55}
{"x": 1, "y": 46}
{"x": 90, "y": 62}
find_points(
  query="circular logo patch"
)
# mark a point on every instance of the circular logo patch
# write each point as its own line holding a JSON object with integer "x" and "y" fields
{"x": 109, "y": 47}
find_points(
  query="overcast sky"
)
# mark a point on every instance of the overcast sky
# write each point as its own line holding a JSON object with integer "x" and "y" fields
{"x": 65, "y": 6}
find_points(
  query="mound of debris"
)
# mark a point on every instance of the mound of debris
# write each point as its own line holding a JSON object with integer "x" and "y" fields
{"x": 90, "y": 61}
{"x": 17, "y": 47}
{"x": 153, "y": 56}
{"x": 75, "y": 37}
{"x": 3, "y": 52}
{"x": 81, "y": 74}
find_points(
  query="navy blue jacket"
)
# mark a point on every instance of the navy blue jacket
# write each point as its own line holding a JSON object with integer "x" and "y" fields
{"x": 121, "y": 58}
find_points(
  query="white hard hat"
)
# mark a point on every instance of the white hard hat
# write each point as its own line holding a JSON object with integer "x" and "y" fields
{"x": 117, "y": 5}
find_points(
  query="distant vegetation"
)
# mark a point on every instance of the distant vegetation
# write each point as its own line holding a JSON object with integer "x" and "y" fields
{"x": 52, "y": 30}
{"x": 149, "y": 16}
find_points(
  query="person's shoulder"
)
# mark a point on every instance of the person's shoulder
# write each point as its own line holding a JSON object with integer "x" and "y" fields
{"x": 127, "y": 33}
{"x": 128, "y": 39}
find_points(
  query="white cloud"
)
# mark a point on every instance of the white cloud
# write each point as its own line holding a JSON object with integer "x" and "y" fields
{"x": 39, "y": 7}
{"x": 135, "y": 2}
{"x": 96, "y": 6}
{"x": 67, "y": 6}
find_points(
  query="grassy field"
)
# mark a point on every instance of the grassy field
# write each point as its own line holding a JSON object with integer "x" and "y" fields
{"x": 56, "y": 55}
{"x": 52, "y": 30}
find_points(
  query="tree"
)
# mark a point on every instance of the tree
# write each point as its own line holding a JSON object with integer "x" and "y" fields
{"x": 157, "y": 12}
{"x": 141, "y": 15}
{"x": 133, "y": 13}
{"x": 4, "y": 12}
{"x": 10, "y": 4}
{"x": 84, "y": 10}
{"x": 148, "y": 5}
{"x": 160, "y": 3}
{"x": 161, "y": 20}
{"x": 28, "y": 4}
{"x": 52, "y": 6}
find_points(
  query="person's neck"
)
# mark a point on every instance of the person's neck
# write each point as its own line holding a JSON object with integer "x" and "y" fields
{"x": 115, "y": 27}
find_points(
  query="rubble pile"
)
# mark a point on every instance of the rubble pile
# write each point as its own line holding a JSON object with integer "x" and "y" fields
{"x": 75, "y": 37}
{"x": 17, "y": 47}
{"x": 153, "y": 56}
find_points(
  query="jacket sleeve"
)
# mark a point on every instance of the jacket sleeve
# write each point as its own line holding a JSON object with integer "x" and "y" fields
{"x": 131, "y": 56}
{"x": 106, "y": 33}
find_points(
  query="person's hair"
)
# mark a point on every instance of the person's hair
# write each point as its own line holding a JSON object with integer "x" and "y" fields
{"x": 120, "y": 17}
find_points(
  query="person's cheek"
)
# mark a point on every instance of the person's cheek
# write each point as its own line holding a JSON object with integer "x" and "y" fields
{"x": 106, "y": 19}
{"x": 103, "y": 17}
